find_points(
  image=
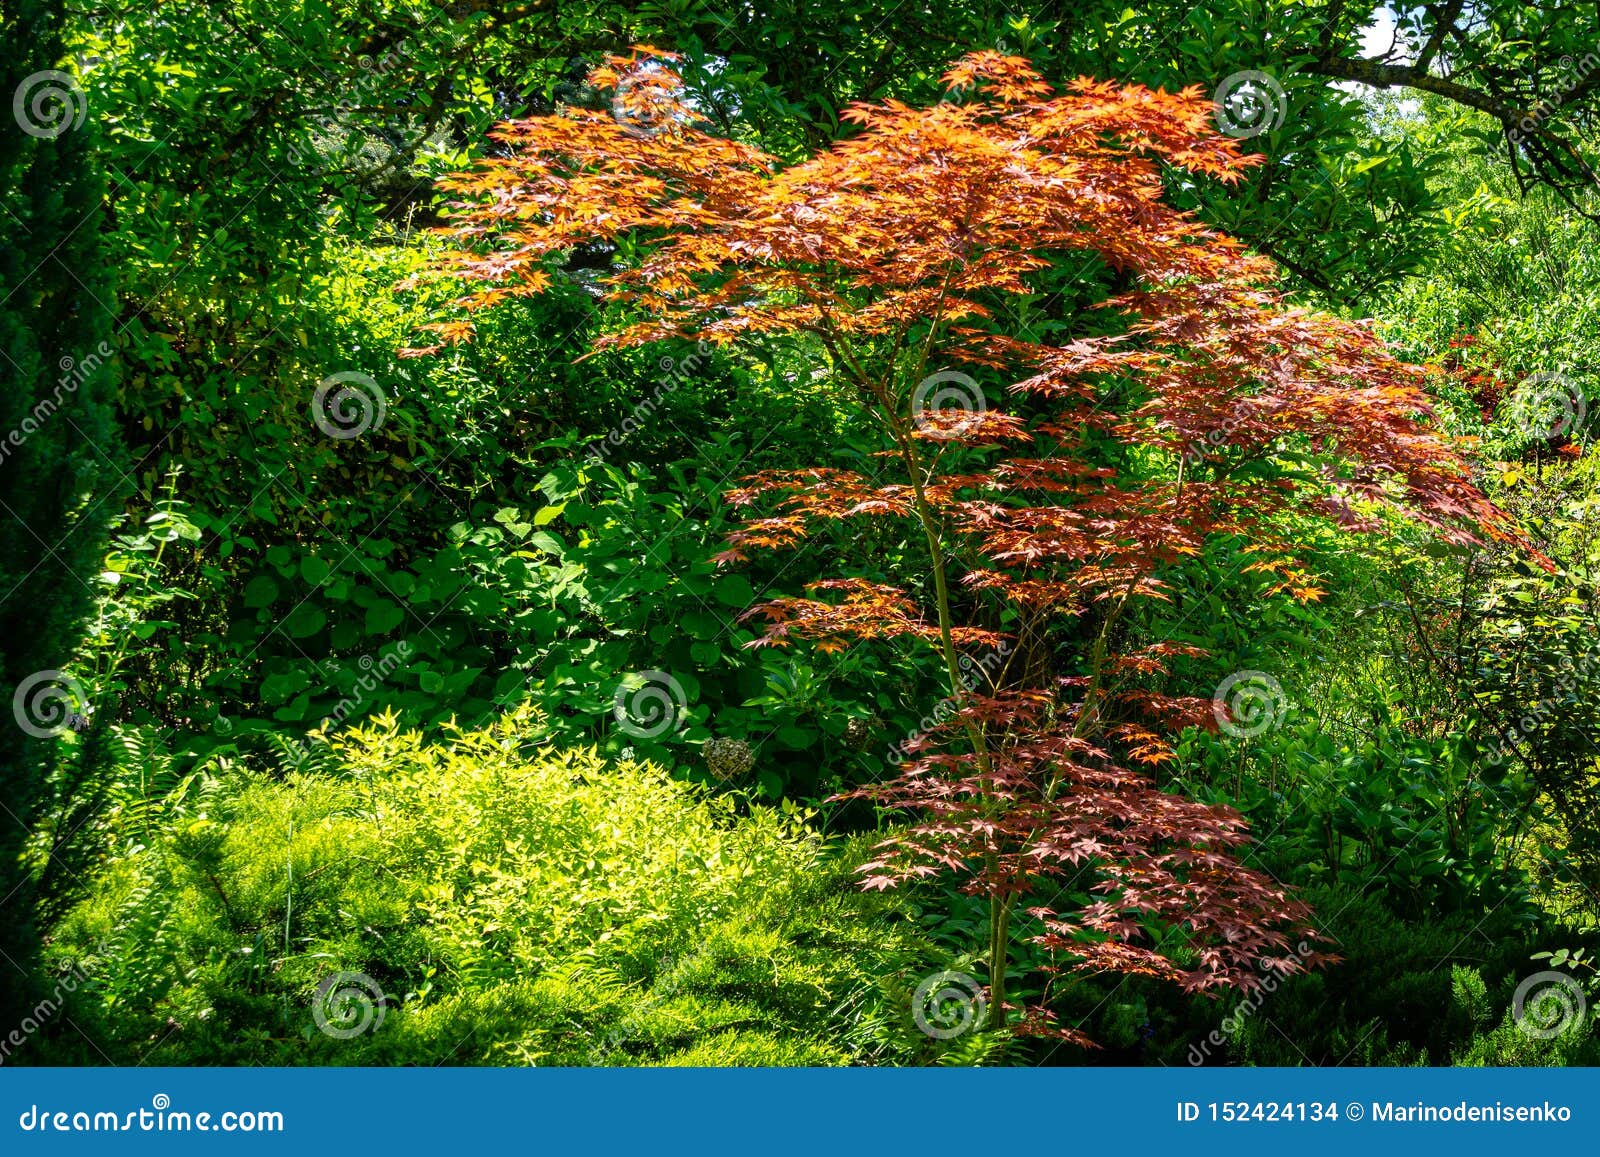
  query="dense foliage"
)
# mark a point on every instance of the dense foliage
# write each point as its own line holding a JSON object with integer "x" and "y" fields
{"x": 502, "y": 901}
{"x": 1130, "y": 500}
{"x": 59, "y": 468}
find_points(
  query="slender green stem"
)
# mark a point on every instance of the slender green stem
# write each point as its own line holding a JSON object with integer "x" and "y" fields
{"x": 999, "y": 906}
{"x": 901, "y": 428}
{"x": 999, "y": 945}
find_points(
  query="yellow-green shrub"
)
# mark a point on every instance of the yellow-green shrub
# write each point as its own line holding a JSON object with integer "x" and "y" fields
{"x": 515, "y": 903}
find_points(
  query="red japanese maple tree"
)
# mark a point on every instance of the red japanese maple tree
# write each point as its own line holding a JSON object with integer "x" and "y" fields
{"x": 896, "y": 252}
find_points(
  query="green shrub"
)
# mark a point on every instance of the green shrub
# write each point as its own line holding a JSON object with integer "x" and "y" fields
{"x": 514, "y": 903}
{"x": 1434, "y": 991}
{"x": 59, "y": 452}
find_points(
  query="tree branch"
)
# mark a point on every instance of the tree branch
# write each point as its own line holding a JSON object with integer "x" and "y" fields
{"x": 1443, "y": 23}
{"x": 1381, "y": 75}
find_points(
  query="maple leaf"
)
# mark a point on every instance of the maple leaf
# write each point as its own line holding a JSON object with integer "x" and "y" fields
{"x": 1239, "y": 414}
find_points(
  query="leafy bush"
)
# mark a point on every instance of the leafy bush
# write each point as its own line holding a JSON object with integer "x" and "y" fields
{"x": 59, "y": 456}
{"x": 598, "y": 570}
{"x": 1415, "y": 821}
{"x": 513, "y": 902}
{"x": 1437, "y": 990}
{"x": 1431, "y": 991}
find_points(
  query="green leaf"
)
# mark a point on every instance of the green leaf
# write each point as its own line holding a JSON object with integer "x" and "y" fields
{"x": 701, "y": 625}
{"x": 304, "y": 621}
{"x": 734, "y": 590}
{"x": 798, "y": 737}
{"x": 261, "y": 591}
{"x": 383, "y": 616}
